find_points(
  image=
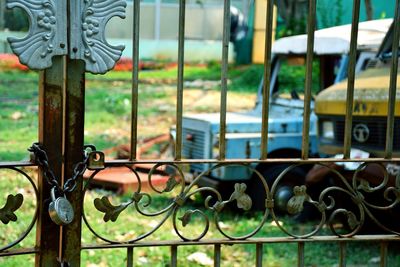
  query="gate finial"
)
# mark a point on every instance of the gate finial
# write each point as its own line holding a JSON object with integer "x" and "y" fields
{"x": 47, "y": 36}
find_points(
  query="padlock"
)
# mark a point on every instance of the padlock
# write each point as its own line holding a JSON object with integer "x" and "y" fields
{"x": 60, "y": 209}
{"x": 95, "y": 161}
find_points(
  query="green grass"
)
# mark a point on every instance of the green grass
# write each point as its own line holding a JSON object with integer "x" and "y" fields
{"x": 108, "y": 106}
{"x": 107, "y": 116}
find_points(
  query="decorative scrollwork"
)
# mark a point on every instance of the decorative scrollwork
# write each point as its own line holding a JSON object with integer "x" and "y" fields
{"x": 295, "y": 204}
{"x": 342, "y": 200}
{"x": 88, "y": 41}
{"x": 110, "y": 211}
{"x": 45, "y": 38}
{"x": 13, "y": 203}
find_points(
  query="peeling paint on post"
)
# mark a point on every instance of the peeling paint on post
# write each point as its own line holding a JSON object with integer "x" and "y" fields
{"x": 73, "y": 153}
{"x": 50, "y": 136}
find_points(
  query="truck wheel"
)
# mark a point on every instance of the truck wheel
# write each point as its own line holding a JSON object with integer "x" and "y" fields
{"x": 284, "y": 191}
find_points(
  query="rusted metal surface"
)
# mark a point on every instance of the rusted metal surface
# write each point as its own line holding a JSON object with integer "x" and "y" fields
{"x": 224, "y": 79}
{"x": 61, "y": 128}
{"x": 384, "y": 253}
{"x": 74, "y": 109}
{"x": 300, "y": 254}
{"x": 50, "y": 136}
{"x": 179, "y": 95}
{"x": 259, "y": 254}
{"x": 308, "y": 82}
{"x": 129, "y": 261}
{"x": 351, "y": 79}
{"x": 393, "y": 83}
{"x": 267, "y": 78}
{"x": 342, "y": 254}
{"x": 270, "y": 240}
{"x": 217, "y": 255}
{"x": 135, "y": 79}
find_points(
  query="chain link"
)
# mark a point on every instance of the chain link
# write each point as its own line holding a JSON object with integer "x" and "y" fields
{"x": 42, "y": 160}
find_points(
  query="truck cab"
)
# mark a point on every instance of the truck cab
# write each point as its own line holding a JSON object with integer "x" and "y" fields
{"x": 243, "y": 130}
{"x": 370, "y": 109}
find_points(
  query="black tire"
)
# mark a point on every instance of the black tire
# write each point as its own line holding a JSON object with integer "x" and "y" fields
{"x": 295, "y": 176}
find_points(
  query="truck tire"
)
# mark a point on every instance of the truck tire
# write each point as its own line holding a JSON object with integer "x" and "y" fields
{"x": 284, "y": 191}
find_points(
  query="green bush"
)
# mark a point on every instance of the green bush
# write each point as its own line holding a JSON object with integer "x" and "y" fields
{"x": 16, "y": 20}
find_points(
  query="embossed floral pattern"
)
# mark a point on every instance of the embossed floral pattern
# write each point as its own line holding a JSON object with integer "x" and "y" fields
{"x": 46, "y": 19}
{"x": 90, "y": 26}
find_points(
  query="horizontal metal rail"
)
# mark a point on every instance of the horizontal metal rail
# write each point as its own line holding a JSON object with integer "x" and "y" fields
{"x": 163, "y": 243}
{"x": 248, "y": 161}
{"x": 19, "y": 251}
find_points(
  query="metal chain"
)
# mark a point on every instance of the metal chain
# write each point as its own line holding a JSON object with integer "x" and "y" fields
{"x": 42, "y": 160}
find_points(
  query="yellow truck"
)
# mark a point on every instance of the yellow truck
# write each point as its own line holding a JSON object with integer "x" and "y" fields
{"x": 369, "y": 124}
{"x": 370, "y": 107}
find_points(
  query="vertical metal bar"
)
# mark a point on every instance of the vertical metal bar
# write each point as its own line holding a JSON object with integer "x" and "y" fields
{"x": 74, "y": 112}
{"x": 217, "y": 255}
{"x": 50, "y": 136}
{"x": 300, "y": 254}
{"x": 392, "y": 85}
{"x": 267, "y": 79}
{"x": 308, "y": 82}
{"x": 179, "y": 99}
{"x": 384, "y": 254}
{"x": 259, "y": 254}
{"x": 174, "y": 256}
{"x": 224, "y": 77}
{"x": 342, "y": 254}
{"x": 351, "y": 79}
{"x": 135, "y": 78}
{"x": 129, "y": 257}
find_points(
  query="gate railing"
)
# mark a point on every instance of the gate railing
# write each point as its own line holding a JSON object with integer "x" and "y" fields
{"x": 61, "y": 113}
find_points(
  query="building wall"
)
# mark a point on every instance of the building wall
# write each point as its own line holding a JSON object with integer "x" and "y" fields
{"x": 338, "y": 12}
{"x": 203, "y": 22}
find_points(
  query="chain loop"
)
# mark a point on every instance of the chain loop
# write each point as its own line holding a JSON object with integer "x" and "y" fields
{"x": 41, "y": 159}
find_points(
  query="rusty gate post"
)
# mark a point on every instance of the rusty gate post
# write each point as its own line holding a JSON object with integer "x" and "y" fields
{"x": 74, "y": 107}
{"x": 50, "y": 136}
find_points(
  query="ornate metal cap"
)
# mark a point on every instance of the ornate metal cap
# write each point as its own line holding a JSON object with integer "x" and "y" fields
{"x": 47, "y": 36}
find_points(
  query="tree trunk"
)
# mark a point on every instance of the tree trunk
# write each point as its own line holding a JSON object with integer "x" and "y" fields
{"x": 369, "y": 9}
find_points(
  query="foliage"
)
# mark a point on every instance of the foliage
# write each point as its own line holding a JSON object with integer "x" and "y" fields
{"x": 249, "y": 79}
{"x": 16, "y": 20}
{"x": 330, "y": 14}
{"x": 108, "y": 104}
{"x": 292, "y": 77}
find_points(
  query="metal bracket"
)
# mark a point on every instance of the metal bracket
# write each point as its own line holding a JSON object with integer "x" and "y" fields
{"x": 47, "y": 36}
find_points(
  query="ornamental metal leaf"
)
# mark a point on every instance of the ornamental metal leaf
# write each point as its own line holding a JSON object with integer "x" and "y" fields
{"x": 88, "y": 40}
{"x": 296, "y": 203}
{"x": 365, "y": 186}
{"x": 243, "y": 200}
{"x": 186, "y": 218}
{"x": 171, "y": 183}
{"x": 13, "y": 203}
{"x": 352, "y": 220}
{"x": 43, "y": 40}
{"x": 110, "y": 211}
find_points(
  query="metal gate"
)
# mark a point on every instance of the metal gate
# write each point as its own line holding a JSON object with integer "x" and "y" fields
{"x": 65, "y": 40}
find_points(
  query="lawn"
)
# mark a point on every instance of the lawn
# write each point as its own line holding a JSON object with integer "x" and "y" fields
{"x": 107, "y": 124}
{"x": 108, "y": 105}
